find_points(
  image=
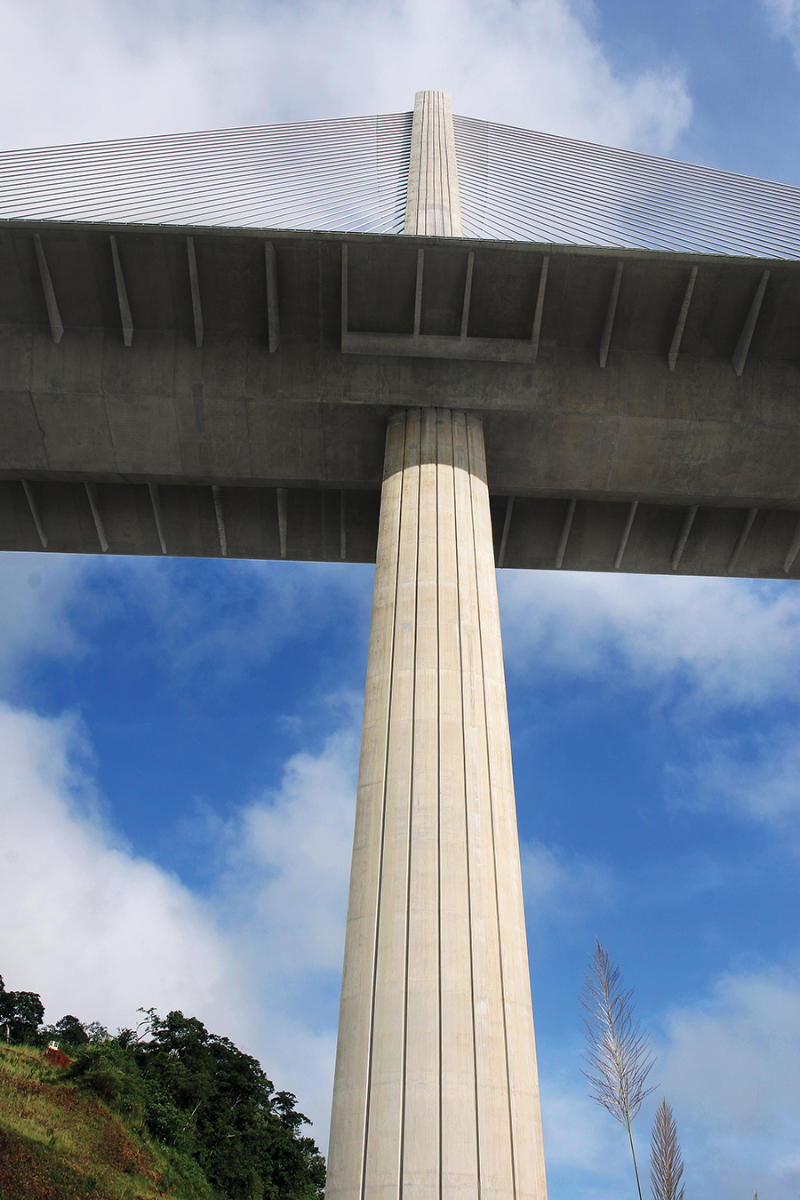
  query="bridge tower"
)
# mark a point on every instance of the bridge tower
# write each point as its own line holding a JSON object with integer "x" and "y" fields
{"x": 436, "y": 1091}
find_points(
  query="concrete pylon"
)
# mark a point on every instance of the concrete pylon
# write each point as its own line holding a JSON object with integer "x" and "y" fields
{"x": 436, "y": 1092}
{"x": 433, "y": 199}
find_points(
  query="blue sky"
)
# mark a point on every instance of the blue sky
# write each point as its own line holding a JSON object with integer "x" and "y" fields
{"x": 178, "y": 739}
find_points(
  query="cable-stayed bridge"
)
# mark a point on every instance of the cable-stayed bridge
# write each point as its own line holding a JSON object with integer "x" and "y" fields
{"x": 441, "y": 345}
{"x": 577, "y": 267}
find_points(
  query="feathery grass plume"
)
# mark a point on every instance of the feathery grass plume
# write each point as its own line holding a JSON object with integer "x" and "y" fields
{"x": 617, "y": 1052}
{"x": 666, "y": 1164}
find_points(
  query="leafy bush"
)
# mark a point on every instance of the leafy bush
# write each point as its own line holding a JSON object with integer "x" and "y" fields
{"x": 207, "y": 1102}
{"x": 184, "y": 1176}
{"x": 110, "y": 1071}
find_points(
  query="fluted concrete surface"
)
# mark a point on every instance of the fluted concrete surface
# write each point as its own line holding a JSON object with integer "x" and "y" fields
{"x": 433, "y": 200}
{"x": 436, "y": 1091}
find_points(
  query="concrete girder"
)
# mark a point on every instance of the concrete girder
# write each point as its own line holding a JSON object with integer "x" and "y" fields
{"x": 278, "y": 405}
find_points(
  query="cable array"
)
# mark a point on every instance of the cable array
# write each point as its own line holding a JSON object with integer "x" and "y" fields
{"x": 349, "y": 174}
{"x": 524, "y": 186}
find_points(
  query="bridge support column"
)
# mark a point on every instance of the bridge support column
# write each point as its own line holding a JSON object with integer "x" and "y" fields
{"x": 436, "y": 1091}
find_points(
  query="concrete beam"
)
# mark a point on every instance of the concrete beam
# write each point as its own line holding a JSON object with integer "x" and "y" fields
{"x": 94, "y": 506}
{"x": 467, "y": 295}
{"x": 749, "y": 327}
{"x": 282, "y": 500}
{"x": 457, "y": 349}
{"x": 501, "y": 554}
{"x": 566, "y": 528}
{"x": 34, "y": 511}
{"x": 194, "y": 288}
{"x": 680, "y": 324}
{"x": 53, "y": 313}
{"x": 683, "y": 538}
{"x": 742, "y": 538}
{"x": 418, "y": 292}
{"x": 794, "y": 550}
{"x": 273, "y": 311}
{"x": 342, "y": 526}
{"x": 125, "y": 316}
{"x": 156, "y": 506}
{"x": 538, "y": 312}
{"x": 344, "y": 295}
{"x": 219, "y": 516}
{"x": 611, "y": 312}
{"x": 626, "y": 533}
{"x": 329, "y": 522}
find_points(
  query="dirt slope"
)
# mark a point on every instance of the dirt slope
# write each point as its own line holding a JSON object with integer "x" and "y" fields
{"x": 59, "y": 1143}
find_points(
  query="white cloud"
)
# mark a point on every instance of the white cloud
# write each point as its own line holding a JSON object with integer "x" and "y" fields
{"x": 581, "y": 1136}
{"x": 560, "y": 886}
{"x": 94, "y": 69}
{"x": 756, "y": 777}
{"x": 284, "y": 901}
{"x": 98, "y": 931}
{"x": 731, "y": 1070}
{"x": 289, "y": 860}
{"x": 725, "y": 641}
{"x": 784, "y": 16}
{"x": 234, "y": 612}
{"x": 36, "y": 593}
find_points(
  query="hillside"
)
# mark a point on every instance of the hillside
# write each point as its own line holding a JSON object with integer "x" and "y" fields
{"x": 58, "y": 1142}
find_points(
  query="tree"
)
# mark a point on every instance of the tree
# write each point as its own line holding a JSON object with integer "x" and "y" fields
{"x": 666, "y": 1164}
{"x": 72, "y": 1031}
{"x": 21, "y": 1013}
{"x": 205, "y": 1098}
{"x": 617, "y": 1052}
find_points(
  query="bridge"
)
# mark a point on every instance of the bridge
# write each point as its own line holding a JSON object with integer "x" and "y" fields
{"x": 442, "y": 345}
{"x": 202, "y": 336}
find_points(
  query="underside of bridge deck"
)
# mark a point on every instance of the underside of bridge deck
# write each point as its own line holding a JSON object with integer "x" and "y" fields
{"x": 211, "y": 392}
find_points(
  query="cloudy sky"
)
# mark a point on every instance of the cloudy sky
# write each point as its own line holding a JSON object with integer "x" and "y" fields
{"x": 178, "y": 740}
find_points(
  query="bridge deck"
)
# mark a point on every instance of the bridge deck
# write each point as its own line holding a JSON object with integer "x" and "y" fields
{"x": 194, "y": 391}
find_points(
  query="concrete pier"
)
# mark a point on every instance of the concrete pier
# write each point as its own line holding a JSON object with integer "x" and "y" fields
{"x": 436, "y": 1091}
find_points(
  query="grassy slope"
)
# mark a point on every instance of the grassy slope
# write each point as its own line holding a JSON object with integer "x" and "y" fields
{"x": 58, "y": 1143}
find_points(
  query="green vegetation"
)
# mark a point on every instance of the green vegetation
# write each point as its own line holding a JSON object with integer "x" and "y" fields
{"x": 166, "y": 1112}
{"x": 20, "y": 1014}
{"x": 57, "y": 1141}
